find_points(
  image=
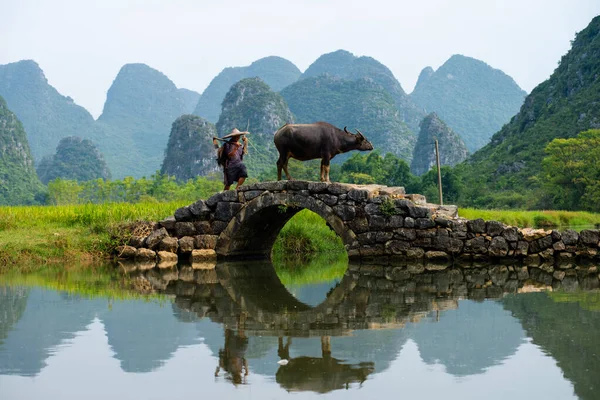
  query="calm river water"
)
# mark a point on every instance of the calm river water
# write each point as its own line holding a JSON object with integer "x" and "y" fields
{"x": 222, "y": 334}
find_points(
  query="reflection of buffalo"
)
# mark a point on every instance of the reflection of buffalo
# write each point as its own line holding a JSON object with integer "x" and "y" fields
{"x": 319, "y": 375}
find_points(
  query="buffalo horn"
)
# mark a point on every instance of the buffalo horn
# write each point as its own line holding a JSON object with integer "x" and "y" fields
{"x": 346, "y": 130}
{"x": 359, "y": 132}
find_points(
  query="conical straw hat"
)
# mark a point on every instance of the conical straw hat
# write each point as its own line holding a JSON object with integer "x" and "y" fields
{"x": 235, "y": 132}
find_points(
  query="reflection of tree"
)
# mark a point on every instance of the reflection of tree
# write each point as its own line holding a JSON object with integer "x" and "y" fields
{"x": 13, "y": 301}
{"x": 232, "y": 358}
{"x": 566, "y": 332}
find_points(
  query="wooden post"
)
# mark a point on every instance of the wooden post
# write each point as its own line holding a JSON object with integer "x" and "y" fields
{"x": 437, "y": 157}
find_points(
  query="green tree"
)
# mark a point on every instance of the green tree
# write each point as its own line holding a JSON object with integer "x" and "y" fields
{"x": 571, "y": 171}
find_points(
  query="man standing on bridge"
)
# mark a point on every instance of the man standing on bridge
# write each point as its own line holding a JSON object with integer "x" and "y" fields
{"x": 230, "y": 157}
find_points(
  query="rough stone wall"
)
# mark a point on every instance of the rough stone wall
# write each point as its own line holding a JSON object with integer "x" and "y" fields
{"x": 376, "y": 223}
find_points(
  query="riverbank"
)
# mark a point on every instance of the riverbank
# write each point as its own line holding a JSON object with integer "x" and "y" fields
{"x": 76, "y": 234}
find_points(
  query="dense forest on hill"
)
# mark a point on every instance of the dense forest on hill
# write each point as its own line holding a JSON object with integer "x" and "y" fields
{"x": 76, "y": 159}
{"x": 19, "y": 183}
{"x": 508, "y": 171}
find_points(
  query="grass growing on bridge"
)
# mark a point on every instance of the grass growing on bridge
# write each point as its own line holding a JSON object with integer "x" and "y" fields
{"x": 33, "y": 235}
{"x": 535, "y": 219}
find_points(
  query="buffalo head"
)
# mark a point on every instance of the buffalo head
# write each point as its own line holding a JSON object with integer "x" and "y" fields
{"x": 362, "y": 143}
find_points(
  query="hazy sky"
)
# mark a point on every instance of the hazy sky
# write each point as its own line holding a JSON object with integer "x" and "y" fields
{"x": 82, "y": 44}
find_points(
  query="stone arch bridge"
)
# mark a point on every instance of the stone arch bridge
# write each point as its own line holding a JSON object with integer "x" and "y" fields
{"x": 374, "y": 222}
{"x": 244, "y": 223}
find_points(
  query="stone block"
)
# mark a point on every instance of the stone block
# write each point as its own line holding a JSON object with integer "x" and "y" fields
{"x": 297, "y": 185}
{"x": 166, "y": 256}
{"x": 409, "y": 222}
{"x": 226, "y": 210}
{"x": 252, "y": 194}
{"x": 145, "y": 254}
{"x": 437, "y": 256}
{"x": 346, "y": 213}
{"x": 570, "y": 237}
{"x": 183, "y": 214}
{"x": 203, "y": 255}
{"x": 424, "y": 223}
{"x": 405, "y": 234}
{"x": 382, "y": 237}
{"x": 522, "y": 248}
{"x": 136, "y": 241}
{"x": 338, "y": 188}
{"x": 155, "y": 237}
{"x": 168, "y": 223}
{"x": 218, "y": 227}
{"x": 511, "y": 234}
{"x": 202, "y": 227}
{"x": 358, "y": 195}
{"x": 169, "y": 244}
{"x": 476, "y": 226}
{"x": 498, "y": 247}
{"x": 359, "y": 225}
{"x": 396, "y": 246}
{"x": 395, "y": 221}
{"x": 494, "y": 228}
{"x": 476, "y": 245}
{"x": 589, "y": 237}
{"x": 205, "y": 242}
{"x": 328, "y": 199}
{"x": 184, "y": 229}
{"x": 373, "y": 209}
{"x": 317, "y": 187}
{"x": 127, "y": 252}
{"x": 442, "y": 222}
{"x": 186, "y": 244}
{"x": 376, "y": 222}
{"x": 199, "y": 209}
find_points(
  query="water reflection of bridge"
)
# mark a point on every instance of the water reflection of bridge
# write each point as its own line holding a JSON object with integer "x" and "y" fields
{"x": 351, "y": 340}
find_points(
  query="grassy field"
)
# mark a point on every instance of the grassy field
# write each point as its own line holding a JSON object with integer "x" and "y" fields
{"x": 535, "y": 219}
{"x": 35, "y": 235}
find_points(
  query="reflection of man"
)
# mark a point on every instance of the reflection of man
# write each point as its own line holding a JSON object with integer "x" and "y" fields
{"x": 232, "y": 357}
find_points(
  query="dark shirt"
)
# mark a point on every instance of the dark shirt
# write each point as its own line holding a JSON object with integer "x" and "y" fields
{"x": 237, "y": 157}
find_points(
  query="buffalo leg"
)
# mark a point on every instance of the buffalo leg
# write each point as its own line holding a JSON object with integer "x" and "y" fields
{"x": 279, "y": 167}
{"x": 285, "y": 169}
{"x": 325, "y": 170}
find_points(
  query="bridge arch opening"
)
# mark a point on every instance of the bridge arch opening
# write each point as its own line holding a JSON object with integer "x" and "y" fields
{"x": 252, "y": 232}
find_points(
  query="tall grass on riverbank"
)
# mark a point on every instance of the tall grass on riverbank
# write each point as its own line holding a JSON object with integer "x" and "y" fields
{"x": 535, "y": 219}
{"x": 43, "y": 234}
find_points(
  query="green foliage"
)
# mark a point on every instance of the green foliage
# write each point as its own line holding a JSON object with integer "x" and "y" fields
{"x": 559, "y": 108}
{"x": 474, "y": 99}
{"x": 159, "y": 188}
{"x": 571, "y": 172}
{"x": 75, "y": 159}
{"x": 387, "y": 207}
{"x": 535, "y": 219}
{"x": 372, "y": 168}
{"x": 19, "y": 183}
{"x": 451, "y": 185}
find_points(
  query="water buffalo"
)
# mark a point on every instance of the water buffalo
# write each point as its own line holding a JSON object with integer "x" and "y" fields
{"x": 319, "y": 140}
